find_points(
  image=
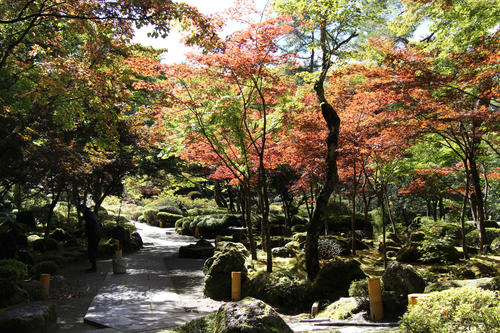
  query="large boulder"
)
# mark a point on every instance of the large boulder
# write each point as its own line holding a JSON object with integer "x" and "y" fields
{"x": 409, "y": 253}
{"x": 439, "y": 253}
{"x": 202, "y": 249}
{"x": 290, "y": 250}
{"x": 249, "y": 316}
{"x": 399, "y": 281}
{"x": 218, "y": 273}
{"x": 402, "y": 279}
{"x": 335, "y": 277}
{"x": 35, "y": 317}
{"x": 282, "y": 289}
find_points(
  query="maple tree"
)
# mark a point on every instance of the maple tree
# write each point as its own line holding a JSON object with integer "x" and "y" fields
{"x": 228, "y": 98}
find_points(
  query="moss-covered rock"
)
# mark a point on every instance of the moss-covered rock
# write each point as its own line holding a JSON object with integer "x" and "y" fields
{"x": 409, "y": 253}
{"x": 492, "y": 283}
{"x": 248, "y": 315}
{"x": 290, "y": 250}
{"x": 34, "y": 317}
{"x": 218, "y": 273}
{"x": 402, "y": 279}
{"x": 335, "y": 277}
{"x": 281, "y": 289}
{"x": 201, "y": 250}
{"x": 437, "y": 252}
{"x": 392, "y": 242}
{"x": 341, "y": 309}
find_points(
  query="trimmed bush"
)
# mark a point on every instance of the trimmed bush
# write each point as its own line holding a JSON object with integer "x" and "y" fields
{"x": 12, "y": 269}
{"x": 150, "y": 216}
{"x": 44, "y": 267}
{"x": 170, "y": 209}
{"x": 456, "y": 310}
{"x": 168, "y": 219}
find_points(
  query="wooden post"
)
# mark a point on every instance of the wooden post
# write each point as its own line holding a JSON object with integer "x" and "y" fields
{"x": 117, "y": 244}
{"x": 161, "y": 224}
{"x": 375, "y": 293}
{"x": 45, "y": 280}
{"x": 217, "y": 239}
{"x": 235, "y": 286}
{"x": 196, "y": 233}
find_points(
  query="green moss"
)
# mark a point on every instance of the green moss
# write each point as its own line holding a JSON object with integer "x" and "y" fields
{"x": 341, "y": 309}
{"x": 201, "y": 325}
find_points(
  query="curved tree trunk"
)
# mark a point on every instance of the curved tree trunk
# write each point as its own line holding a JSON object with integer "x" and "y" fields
{"x": 333, "y": 123}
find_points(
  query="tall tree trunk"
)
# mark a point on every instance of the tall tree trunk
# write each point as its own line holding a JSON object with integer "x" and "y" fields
{"x": 384, "y": 247}
{"x": 247, "y": 212}
{"x": 478, "y": 198}
{"x": 353, "y": 212}
{"x": 333, "y": 123}
{"x": 264, "y": 203}
{"x": 462, "y": 217}
{"x": 486, "y": 188}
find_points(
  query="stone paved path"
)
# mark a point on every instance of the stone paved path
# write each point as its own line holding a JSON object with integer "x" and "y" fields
{"x": 158, "y": 291}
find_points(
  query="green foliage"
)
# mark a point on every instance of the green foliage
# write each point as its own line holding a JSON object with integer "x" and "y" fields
{"x": 168, "y": 219}
{"x": 281, "y": 289}
{"x": 359, "y": 290}
{"x": 454, "y": 310}
{"x": 439, "y": 239}
{"x": 14, "y": 270}
{"x": 341, "y": 309}
{"x": 44, "y": 267}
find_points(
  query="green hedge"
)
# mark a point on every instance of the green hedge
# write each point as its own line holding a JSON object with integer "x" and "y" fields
{"x": 466, "y": 309}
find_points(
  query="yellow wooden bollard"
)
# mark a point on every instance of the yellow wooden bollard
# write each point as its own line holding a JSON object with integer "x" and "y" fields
{"x": 161, "y": 224}
{"x": 217, "y": 239}
{"x": 45, "y": 280}
{"x": 375, "y": 293}
{"x": 196, "y": 233}
{"x": 235, "y": 286}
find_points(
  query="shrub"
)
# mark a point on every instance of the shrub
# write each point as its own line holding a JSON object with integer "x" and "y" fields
{"x": 359, "y": 290}
{"x": 168, "y": 219}
{"x": 151, "y": 216}
{"x": 12, "y": 269}
{"x": 281, "y": 289}
{"x": 44, "y": 267}
{"x": 455, "y": 310}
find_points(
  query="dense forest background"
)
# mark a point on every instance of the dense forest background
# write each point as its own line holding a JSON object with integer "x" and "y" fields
{"x": 380, "y": 115}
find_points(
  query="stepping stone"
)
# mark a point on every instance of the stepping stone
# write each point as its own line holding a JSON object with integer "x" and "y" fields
{"x": 36, "y": 317}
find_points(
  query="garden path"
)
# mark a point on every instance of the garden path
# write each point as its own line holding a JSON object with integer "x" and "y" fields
{"x": 159, "y": 291}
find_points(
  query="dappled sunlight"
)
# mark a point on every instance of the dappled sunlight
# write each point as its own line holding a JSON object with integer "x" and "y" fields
{"x": 159, "y": 289}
